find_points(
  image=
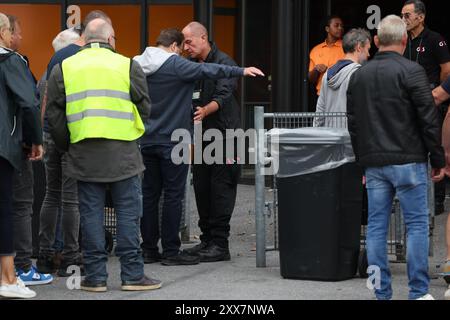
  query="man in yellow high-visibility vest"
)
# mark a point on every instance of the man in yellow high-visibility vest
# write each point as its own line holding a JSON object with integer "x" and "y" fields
{"x": 97, "y": 101}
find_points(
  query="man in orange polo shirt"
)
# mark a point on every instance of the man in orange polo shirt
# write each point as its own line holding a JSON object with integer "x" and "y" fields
{"x": 327, "y": 53}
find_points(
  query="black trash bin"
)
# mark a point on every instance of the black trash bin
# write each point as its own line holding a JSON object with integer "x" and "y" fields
{"x": 320, "y": 203}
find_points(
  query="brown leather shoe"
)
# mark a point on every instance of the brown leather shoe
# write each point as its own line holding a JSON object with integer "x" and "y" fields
{"x": 93, "y": 287}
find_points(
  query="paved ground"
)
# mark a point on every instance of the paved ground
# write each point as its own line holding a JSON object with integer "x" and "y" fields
{"x": 239, "y": 278}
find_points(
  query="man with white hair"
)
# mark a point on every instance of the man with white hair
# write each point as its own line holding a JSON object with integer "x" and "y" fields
{"x": 394, "y": 126}
{"x": 65, "y": 38}
{"x": 97, "y": 102}
{"x": 62, "y": 40}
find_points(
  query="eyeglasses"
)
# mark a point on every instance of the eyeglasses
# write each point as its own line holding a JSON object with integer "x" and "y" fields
{"x": 405, "y": 15}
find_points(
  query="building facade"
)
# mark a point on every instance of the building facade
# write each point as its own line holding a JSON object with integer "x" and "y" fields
{"x": 275, "y": 35}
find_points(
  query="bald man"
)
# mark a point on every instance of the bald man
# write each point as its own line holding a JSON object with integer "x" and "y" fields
{"x": 97, "y": 102}
{"x": 215, "y": 184}
{"x": 61, "y": 190}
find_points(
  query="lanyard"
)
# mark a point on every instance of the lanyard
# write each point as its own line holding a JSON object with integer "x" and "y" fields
{"x": 420, "y": 49}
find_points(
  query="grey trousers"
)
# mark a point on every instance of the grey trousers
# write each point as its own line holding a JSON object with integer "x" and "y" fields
{"x": 61, "y": 194}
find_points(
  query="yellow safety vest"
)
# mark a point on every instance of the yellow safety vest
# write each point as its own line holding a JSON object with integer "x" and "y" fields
{"x": 98, "y": 102}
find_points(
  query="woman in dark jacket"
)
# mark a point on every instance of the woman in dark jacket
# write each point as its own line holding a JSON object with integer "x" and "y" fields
{"x": 17, "y": 104}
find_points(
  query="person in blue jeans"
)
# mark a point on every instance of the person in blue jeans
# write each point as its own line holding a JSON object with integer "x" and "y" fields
{"x": 61, "y": 198}
{"x": 394, "y": 127}
{"x": 103, "y": 149}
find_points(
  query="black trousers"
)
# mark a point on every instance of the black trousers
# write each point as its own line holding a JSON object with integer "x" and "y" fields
{"x": 22, "y": 215}
{"x": 215, "y": 189}
{"x": 6, "y": 191}
{"x": 161, "y": 174}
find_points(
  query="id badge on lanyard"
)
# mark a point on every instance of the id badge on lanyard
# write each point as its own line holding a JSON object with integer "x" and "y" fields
{"x": 196, "y": 95}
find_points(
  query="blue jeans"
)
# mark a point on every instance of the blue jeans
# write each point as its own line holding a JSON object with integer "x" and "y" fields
{"x": 409, "y": 183}
{"x": 127, "y": 199}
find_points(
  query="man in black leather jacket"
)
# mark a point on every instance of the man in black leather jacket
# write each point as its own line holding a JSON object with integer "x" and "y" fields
{"x": 394, "y": 126}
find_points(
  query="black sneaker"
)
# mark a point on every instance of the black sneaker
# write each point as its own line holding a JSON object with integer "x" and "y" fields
{"x": 197, "y": 248}
{"x": 93, "y": 287}
{"x": 144, "y": 284}
{"x": 150, "y": 257}
{"x": 45, "y": 264}
{"x": 182, "y": 258}
{"x": 214, "y": 253}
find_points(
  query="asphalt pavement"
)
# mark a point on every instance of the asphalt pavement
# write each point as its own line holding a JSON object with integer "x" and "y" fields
{"x": 239, "y": 279}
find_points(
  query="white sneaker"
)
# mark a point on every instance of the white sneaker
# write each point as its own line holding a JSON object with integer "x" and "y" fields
{"x": 447, "y": 294}
{"x": 17, "y": 290}
{"x": 426, "y": 297}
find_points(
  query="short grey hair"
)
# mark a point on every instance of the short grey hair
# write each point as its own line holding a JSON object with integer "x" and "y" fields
{"x": 353, "y": 38}
{"x": 4, "y": 21}
{"x": 98, "y": 30}
{"x": 64, "y": 38}
{"x": 391, "y": 30}
{"x": 419, "y": 6}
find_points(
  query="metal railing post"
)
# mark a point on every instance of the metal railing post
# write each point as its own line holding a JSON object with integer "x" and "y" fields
{"x": 259, "y": 189}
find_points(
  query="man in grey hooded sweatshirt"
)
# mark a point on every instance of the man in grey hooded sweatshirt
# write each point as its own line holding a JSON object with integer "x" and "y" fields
{"x": 333, "y": 93}
{"x": 171, "y": 81}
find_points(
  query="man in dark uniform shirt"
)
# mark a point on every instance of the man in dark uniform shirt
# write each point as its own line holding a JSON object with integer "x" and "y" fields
{"x": 215, "y": 185}
{"x": 426, "y": 47}
{"x": 430, "y": 50}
